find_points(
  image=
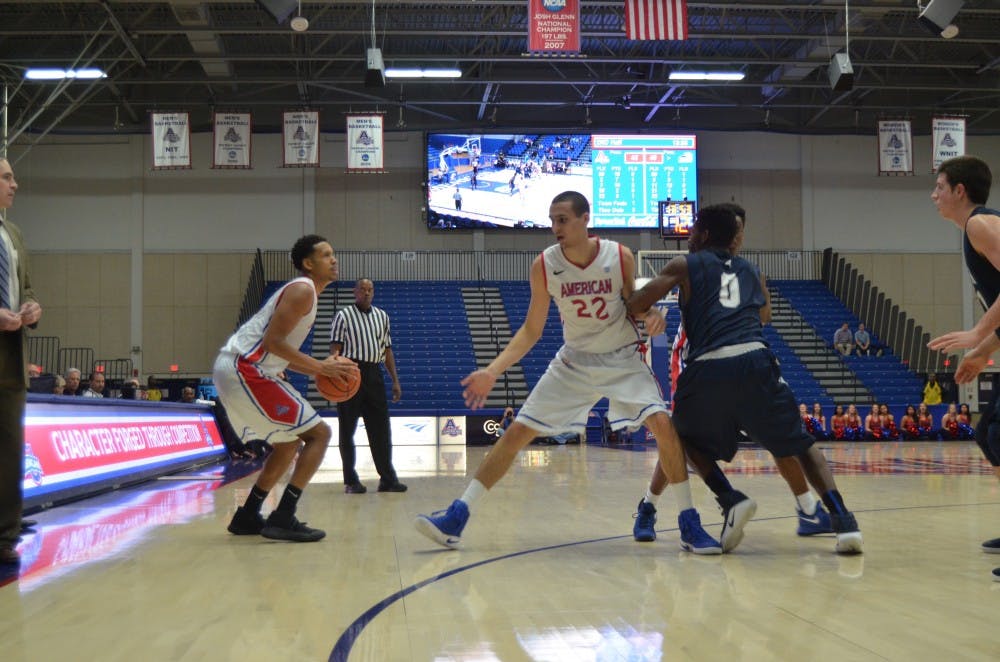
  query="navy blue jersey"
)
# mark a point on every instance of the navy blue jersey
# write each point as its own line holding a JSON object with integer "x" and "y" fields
{"x": 985, "y": 276}
{"x": 725, "y": 301}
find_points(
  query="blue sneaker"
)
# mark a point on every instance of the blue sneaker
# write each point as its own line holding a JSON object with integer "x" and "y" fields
{"x": 818, "y": 522}
{"x": 445, "y": 526}
{"x": 694, "y": 538}
{"x": 644, "y": 529}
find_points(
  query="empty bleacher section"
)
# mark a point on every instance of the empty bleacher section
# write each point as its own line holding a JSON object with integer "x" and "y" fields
{"x": 885, "y": 377}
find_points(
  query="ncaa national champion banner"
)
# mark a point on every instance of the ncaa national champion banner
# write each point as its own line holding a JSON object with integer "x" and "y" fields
{"x": 171, "y": 140}
{"x": 554, "y": 26}
{"x": 231, "y": 140}
{"x": 364, "y": 143}
{"x": 949, "y": 139}
{"x": 895, "y": 147}
{"x": 301, "y": 139}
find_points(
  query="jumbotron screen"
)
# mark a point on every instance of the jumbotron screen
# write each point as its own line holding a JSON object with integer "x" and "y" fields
{"x": 480, "y": 180}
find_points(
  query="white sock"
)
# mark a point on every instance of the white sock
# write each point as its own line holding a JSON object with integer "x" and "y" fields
{"x": 473, "y": 493}
{"x": 807, "y": 502}
{"x": 650, "y": 497}
{"x": 681, "y": 493}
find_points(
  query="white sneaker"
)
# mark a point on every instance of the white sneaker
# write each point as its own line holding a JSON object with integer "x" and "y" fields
{"x": 849, "y": 542}
{"x": 736, "y": 517}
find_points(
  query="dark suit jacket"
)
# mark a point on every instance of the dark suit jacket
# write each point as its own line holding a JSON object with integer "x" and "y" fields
{"x": 13, "y": 363}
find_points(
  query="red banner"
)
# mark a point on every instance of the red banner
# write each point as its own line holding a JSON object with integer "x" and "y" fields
{"x": 554, "y": 26}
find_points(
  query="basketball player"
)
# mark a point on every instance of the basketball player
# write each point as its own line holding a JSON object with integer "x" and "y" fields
{"x": 960, "y": 195}
{"x": 262, "y": 405}
{"x": 589, "y": 279}
{"x": 732, "y": 381}
{"x": 812, "y": 518}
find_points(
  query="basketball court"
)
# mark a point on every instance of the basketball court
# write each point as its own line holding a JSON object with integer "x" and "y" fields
{"x": 549, "y": 570}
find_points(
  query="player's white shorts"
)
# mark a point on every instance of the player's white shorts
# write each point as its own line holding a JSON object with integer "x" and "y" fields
{"x": 261, "y": 406}
{"x": 575, "y": 381}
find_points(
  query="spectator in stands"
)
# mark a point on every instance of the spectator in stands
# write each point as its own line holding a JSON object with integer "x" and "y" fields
{"x": 188, "y": 395}
{"x": 130, "y": 389}
{"x": 59, "y": 387}
{"x": 838, "y": 423}
{"x": 34, "y": 371}
{"x": 873, "y": 424}
{"x": 932, "y": 390}
{"x": 862, "y": 341}
{"x": 153, "y": 392}
{"x": 888, "y": 422}
{"x": 72, "y": 382}
{"x": 853, "y": 430}
{"x": 925, "y": 422}
{"x": 95, "y": 386}
{"x": 843, "y": 340}
{"x": 908, "y": 424}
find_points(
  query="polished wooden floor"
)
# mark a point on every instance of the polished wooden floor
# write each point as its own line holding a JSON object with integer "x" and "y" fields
{"x": 549, "y": 570}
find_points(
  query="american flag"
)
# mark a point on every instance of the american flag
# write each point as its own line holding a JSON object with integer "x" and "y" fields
{"x": 656, "y": 19}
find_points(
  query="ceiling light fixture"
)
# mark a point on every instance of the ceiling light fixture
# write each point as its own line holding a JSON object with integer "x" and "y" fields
{"x": 300, "y": 23}
{"x": 707, "y": 75}
{"x": 420, "y": 72}
{"x": 62, "y": 74}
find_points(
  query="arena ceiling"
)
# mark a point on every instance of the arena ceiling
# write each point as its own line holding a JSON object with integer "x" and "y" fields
{"x": 205, "y": 55}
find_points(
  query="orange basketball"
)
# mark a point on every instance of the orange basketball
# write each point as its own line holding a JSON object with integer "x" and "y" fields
{"x": 338, "y": 390}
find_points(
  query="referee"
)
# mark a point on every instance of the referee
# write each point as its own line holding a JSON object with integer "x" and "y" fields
{"x": 361, "y": 333}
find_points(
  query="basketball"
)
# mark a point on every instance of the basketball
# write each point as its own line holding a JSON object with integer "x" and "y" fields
{"x": 339, "y": 390}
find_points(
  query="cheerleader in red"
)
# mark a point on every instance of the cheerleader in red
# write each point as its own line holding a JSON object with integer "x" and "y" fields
{"x": 908, "y": 424}
{"x": 852, "y": 424}
{"x": 925, "y": 421}
{"x": 821, "y": 430}
{"x": 888, "y": 422}
{"x": 873, "y": 425}
{"x": 838, "y": 423}
{"x": 949, "y": 424}
{"x": 965, "y": 430}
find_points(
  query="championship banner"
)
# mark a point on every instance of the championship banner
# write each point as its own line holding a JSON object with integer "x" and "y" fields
{"x": 171, "y": 140}
{"x": 949, "y": 139}
{"x": 364, "y": 143}
{"x": 232, "y": 137}
{"x": 895, "y": 147}
{"x": 301, "y": 139}
{"x": 554, "y": 26}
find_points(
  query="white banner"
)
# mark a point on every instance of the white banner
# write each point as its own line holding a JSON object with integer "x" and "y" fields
{"x": 301, "y": 133}
{"x": 895, "y": 147}
{"x": 171, "y": 140}
{"x": 364, "y": 143}
{"x": 232, "y": 138}
{"x": 949, "y": 139}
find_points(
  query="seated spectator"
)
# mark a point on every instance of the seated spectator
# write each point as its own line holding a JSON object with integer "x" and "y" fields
{"x": 72, "y": 382}
{"x": 95, "y": 386}
{"x": 908, "y": 424}
{"x": 843, "y": 340}
{"x": 190, "y": 396}
{"x": 853, "y": 430}
{"x": 873, "y": 424}
{"x": 34, "y": 371}
{"x": 888, "y": 423}
{"x": 59, "y": 387}
{"x": 130, "y": 389}
{"x": 862, "y": 341}
{"x": 925, "y": 422}
{"x": 39, "y": 382}
{"x": 932, "y": 390}
{"x": 838, "y": 423}
{"x": 153, "y": 393}
{"x": 965, "y": 429}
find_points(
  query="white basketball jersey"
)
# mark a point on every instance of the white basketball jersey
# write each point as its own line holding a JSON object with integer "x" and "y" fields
{"x": 589, "y": 298}
{"x": 247, "y": 339}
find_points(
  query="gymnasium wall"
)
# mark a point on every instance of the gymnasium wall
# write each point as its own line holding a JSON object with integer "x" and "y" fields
{"x": 124, "y": 256}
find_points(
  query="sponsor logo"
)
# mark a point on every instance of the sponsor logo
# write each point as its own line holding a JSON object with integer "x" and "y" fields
{"x": 451, "y": 429}
{"x": 32, "y": 466}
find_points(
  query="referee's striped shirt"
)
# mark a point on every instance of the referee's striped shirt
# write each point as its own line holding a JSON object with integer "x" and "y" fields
{"x": 363, "y": 335}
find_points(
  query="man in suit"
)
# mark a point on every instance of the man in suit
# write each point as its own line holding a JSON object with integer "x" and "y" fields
{"x": 18, "y": 309}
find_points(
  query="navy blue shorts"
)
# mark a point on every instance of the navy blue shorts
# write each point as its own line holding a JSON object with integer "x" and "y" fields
{"x": 988, "y": 428}
{"x": 716, "y": 398}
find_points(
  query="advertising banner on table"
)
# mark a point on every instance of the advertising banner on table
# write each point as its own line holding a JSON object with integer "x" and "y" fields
{"x": 949, "y": 139}
{"x": 895, "y": 147}
{"x": 554, "y": 26}
{"x": 171, "y": 140}
{"x": 364, "y": 143}
{"x": 301, "y": 139}
{"x": 68, "y": 447}
{"x": 231, "y": 140}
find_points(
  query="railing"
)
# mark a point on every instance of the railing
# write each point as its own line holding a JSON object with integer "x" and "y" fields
{"x": 894, "y": 328}
{"x": 254, "y": 295}
{"x": 44, "y": 351}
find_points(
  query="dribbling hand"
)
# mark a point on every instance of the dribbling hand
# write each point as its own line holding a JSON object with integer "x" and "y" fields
{"x": 655, "y": 322}
{"x": 338, "y": 367}
{"x": 477, "y": 386}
